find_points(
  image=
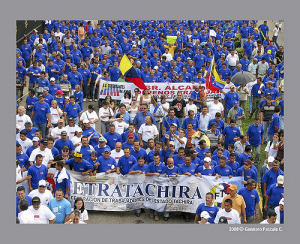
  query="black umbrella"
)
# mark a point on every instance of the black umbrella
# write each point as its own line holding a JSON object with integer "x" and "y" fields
{"x": 243, "y": 77}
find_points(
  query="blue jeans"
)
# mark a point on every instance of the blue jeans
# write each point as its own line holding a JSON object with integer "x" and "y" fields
{"x": 281, "y": 122}
{"x": 243, "y": 40}
{"x": 84, "y": 90}
{"x": 225, "y": 114}
{"x": 75, "y": 120}
{"x": 152, "y": 211}
{"x": 41, "y": 127}
{"x": 266, "y": 125}
{"x": 250, "y": 103}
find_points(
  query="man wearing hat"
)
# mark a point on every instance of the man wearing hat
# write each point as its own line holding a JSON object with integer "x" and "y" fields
{"x": 101, "y": 145}
{"x": 107, "y": 163}
{"x": 56, "y": 132}
{"x": 129, "y": 142}
{"x": 279, "y": 210}
{"x": 53, "y": 88}
{"x": 238, "y": 202}
{"x": 126, "y": 162}
{"x": 236, "y": 113}
{"x": 229, "y": 98}
{"x": 247, "y": 171}
{"x": 34, "y": 73}
{"x": 52, "y": 70}
{"x": 88, "y": 130}
{"x": 274, "y": 194}
{"x": 40, "y": 54}
{"x": 64, "y": 141}
{"x": 48, "y": 97}
{"x": 42, "y": 214}
{"x": 84, "y": 148}
{"x": 46, "y": 153}
{"x": 41, "y": 114}
{"x": 94, "y": 139}
{"x": 205, "y": 168}
{"x": 42, "y": 193}
{"x": 79, "y": 164}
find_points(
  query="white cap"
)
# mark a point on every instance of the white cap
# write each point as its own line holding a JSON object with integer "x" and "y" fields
{"x": 271, "y": 159}
{"x": 205, "y": 215}
{"x": 78, "y": 129}
{"x": 52, "y": 78}
{"x": 18, "y": 126}
{"x": 172, "y": 143}
{"x": 232, "y": 85}
{"x": 207, "y": 159}
{"x": 281, "y": 201}
{"x": 42, "y": 183}
{"x": 280, "y": 179}
{"x": 35, "y": 139}
{"x": 155, "y": 67}
{"x": 85, "y": 121}
{"x": 133, "y": 45}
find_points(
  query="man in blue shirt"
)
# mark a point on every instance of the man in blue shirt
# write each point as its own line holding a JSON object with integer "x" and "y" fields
{"x": 140, "y": 117}
{"x": 264, "y": 29}
{"x": 61, "y": 207}
{"x": 255, "y": 135}
{"x": 72, "y": 110}
{"x": 231, "y": 133}
{"x": 274, "y": 194}
{"x": 86, "y": 80}
{"x": 112, "y": 137}
{"x": 191, "y": 119}
{"x": 21, "y": 195}
{"x": 64, "y": 141}
{"x": 75, "y": 78}
{"x": 274, "y": 126}
{"x": 222, "y": 169}
{"x": 34, "y": 73}
{"x": 229, "y": 98}
{"x": 79, "y": 164}
{"x": 126, "y": 162}
{"x": 107, "y": 163}
{"x": 37, "y": 171}
{"x": 244, "y": 34}
{"x": 208, "y": 206}
{"x": 52, "y": 70}
{"x": 62, "y": 179}
{"x": 256, "y": 96}
{"x": 251, "y": 198}
{"x": 41, "y": 113}
{"x": 270, "y": 177}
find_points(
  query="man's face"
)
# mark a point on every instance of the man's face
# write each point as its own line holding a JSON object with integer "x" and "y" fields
{"x": 118, "y": 147}
{"x": 84, "y": 142}
{"x": 36, "y": 206}
{"x": 111, "y": 129}
{"x": 204, "y": 110}
{"x": 106, "y": 155}
{"x": 50, "y": 144}
{"x": 219, "y": 153}
{"x": 231, "y": 159}
{"x": 208, "y": 200}
{"x": 38, "y": 161}
{"x": 59, "y": 195}
{"x": 275, "y": 167}
{"x": 156, "y": 160}
{"x": 222, "y": 163}
{"x": 148, "y": 120}
{"x": 136, "y": 146}
{"x": 180, "y": 153}
{"x": 227, "y": 207}
{"x": 145, "y": 109}
{"x": 64, "y": 137}
{"x": 187, "y": 161}
{"x": 22, "y": 137}
{"x": 127, "y": 153}
{"x": 272, "y": 219}
{"x": 232, "y": 124}
{"x": 141, "y": 162}
{"x": 232, "y": 192}
{"x": 21, "y": 194}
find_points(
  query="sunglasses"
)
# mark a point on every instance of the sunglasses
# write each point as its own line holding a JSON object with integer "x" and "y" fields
{"x": 65, "y": 150}
{"x": 42, "y": 186}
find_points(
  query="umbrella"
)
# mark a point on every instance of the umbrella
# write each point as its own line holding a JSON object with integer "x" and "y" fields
{"x": 243, "y": 77}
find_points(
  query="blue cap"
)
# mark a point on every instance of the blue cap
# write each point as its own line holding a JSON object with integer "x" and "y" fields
{"x": 96, "y": 53}
{"x": 107, "y": 149}
{"x": 96, "y": 134}
{"x": 235, "y": 103}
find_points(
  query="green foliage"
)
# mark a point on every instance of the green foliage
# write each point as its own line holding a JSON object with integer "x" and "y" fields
{"x": 237, "y": 42}
{"x": 240, "y": 52}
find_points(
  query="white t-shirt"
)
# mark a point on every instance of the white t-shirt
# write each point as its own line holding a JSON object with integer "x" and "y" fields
{"x": 54, "y": 115}
{"x": 226, "y": 89}
{"x": 271, "y": 150}
{"x": 71, "y": 131}
{"x": 21, "y": 120}
{"x": 189, "y": 107}
{"x": 148, "y": 132}
{"x": 126, "y": 101}
{"x": 116, "y": 155}
{"x": 18, "y": 176}
{"x": 103, "y": 112}
{"x": 178, "y": 144}
{"x": 44, "y": 197}
{"x": 26, "y": 217}
{"x": 166, "y": 106}
{"x": 233, "y": 216}
{"x": 276, "y": 31}
{"x": 214, "y": 108}
{"x": 250, "y": 85}
{"x": 56, "y": 132}
{"x": 42, "y": 215}
{"x": 120, "y": 126}
{"x": 168, "y": 56}
{"x": 47, "y": 155}
{"x": 25, "y": 144}
{"x": 91, "y": 117}
{"x": 76, "y": 140}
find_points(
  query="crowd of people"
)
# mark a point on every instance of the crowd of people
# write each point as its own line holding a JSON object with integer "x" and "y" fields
{"x": 141, "y": 134}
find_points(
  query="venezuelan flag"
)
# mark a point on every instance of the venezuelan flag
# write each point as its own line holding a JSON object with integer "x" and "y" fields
{"x": 130, "y": 73}
{"x": 213, "y": 81}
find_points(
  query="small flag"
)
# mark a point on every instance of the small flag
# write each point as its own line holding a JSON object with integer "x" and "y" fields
{"x": 213, "y": 81}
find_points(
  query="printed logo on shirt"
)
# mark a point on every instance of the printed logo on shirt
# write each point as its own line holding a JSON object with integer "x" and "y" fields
{"x": 42, "y": 108}
{"x": 36, "y": 216}
{"x": 81, "y": 168}
{"x": 20, "y": 120}
{"x": 229, "y": 218}
{"x": 41, "y": 173}
{"x": 252, "y": 195}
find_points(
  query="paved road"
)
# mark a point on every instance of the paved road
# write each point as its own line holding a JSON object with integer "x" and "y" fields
{"x": 99, "y": 217}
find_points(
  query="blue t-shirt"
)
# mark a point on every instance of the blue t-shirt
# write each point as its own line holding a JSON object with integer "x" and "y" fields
{"x": 250, "y": 174}
{"x": 201, "y": 152}
{"x": 230, "y": 133}
{"x": 255, "y": 133}
{"x": 74, "y": 79}
{"x": 172, "y": 171}
{"x": 229, "y": 98}
{"x": 41, "y": 111}
{"x": 60, "y": 143}
{"x": 251, "y": 198}
{"x": 152, "y": 168}
{"x": 187, "y": 120}
{"x": 23, "y": 159}
{"x": 60, "y": 209}
{"x": 210, "y": 171}
{"x": 274, "y": 122}
{"x": 275, "y": 193}
{"x": 184, "y": 169}
{"x": 112, "y": 139}
{"x": 178, "y": 161}
{"x": 28, "y": 198}
{"x": 225, "y": 171}
{"x": 72, "y": 110}
{"x": 64, "y": 184}
{"x": 125, "y": 164}
{"x": 100, "y": 150}
{"x": 213, "y": 210}
{"x": 37, "y": 174}
{"x": 270, "y": 177}
{"x": 79, "y": 167}
{"x": 143, "y": 168}
{"x": 106, "y": 164}
{"x": 141, "y": 152}
{"x": 234, "y": 167}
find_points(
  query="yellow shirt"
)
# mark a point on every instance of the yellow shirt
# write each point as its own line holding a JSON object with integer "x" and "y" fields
{"x": 238, "y": 202}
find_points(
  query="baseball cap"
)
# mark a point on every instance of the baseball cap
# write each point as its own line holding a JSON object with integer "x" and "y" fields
{"x": 101, "y": 139}
{"x": 78, "y": 155}
{"x": 85, "y": 121}
{"x": 174, "y": 124}
{"x": 36, "y": 201}
{"x": 40, "y": 60}
{"x": 223, "y": 220}
{"x": 52, "y": 78}
{"x": 96, "y": 53}
{"x": 207, "y": 159}
{"x": 42, "y": 95}
{"x": 172, "y": 143}
{"x": 46, "y": 88}
{"x": 65, "y": 148}
{"x": 133, "y": 45}
{"x": 213, "y": 124}
{"x": 205, "y": 215}
{"x": 193, "y": 151}
{"x": 42, "y": 183}
{"x": 216, "y": 97}
{"x": 281, "y": 201}
{"x": 63, "y": 133}
{"x": 107, "y": 149}
{"x": 59, "y": 92}
{"x": 280, "y": 179}
{"x": 233, "y": 187}
{"x": 44, "y": 141}
{"x": 271, "y": 159}
{"x": 269, "y": 51}
{"x": 235, "y": 103}
{"x": 232, "y": 86}
{"x": 60, "y": 121}
{"x": 18, "y": 126}
{"x": 96, "y": 134}
{"x": 130, "y": 135}
{"x": 35, "y": 139}
{"x": 155, "y": 67}
{"x": 78, "y": 130}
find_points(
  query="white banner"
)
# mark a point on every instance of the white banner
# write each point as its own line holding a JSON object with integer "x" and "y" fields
{"x": 117, "y": 89}
{"x": 115, "y": 192}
